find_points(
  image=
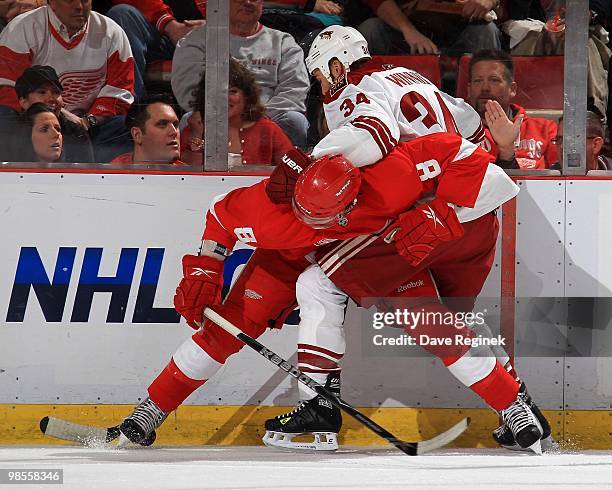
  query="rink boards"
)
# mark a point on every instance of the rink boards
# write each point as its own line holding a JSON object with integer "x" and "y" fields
{"x": 90, "y": 262}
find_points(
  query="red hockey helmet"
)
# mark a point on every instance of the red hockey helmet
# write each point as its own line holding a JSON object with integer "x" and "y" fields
{"x": 326, "y": 191}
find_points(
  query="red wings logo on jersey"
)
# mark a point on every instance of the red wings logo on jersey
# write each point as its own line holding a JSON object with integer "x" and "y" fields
{"x": 82, "y": 87}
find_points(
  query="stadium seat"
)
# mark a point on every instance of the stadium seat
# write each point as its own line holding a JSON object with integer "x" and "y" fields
{"x": 427, "y": 65}
{"x": 539, "y": 80}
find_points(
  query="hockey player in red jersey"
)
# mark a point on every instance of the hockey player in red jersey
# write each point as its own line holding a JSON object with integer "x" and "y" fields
{"x": 461, "y": 174}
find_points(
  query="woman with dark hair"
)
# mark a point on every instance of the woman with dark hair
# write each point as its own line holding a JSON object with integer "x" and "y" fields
{"x": 41, "y": 135}
{"x": 254, "y": 138}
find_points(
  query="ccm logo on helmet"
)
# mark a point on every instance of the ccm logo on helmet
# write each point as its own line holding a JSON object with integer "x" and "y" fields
{"x": 291, "y": 164}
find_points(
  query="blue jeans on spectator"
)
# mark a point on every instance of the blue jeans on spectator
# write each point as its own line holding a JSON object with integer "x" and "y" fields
{"x": 455, "y": 40}
{"x": 294, "y": 124}
{"x": 145, "y": 40}
{"x": 110, "y": 139}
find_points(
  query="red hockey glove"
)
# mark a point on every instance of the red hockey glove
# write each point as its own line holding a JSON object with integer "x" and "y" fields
{"x": 423, "y": 228}
{"x": 283, "y": 178}
{"x": 200, "y": 287}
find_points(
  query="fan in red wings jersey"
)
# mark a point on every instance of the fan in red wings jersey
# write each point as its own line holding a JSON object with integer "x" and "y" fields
{"x": 369, "y": 109}
{"x": 440, "y": 165}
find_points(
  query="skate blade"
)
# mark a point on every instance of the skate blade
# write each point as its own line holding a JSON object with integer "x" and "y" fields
{"x": 124, "y": 442}
{"x": 536, "y": 447}
{"x": 323, "y": 441}
{"x": 548, "y": 444}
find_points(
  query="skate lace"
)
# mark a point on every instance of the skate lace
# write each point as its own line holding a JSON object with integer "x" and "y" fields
{"x": 297, "y": 409}
{"x": 518, "y": 415}
{"x": 148, "y": 415}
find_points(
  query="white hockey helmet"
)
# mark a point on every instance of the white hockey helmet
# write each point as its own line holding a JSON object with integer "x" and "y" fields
{"x": 345, "y": 43}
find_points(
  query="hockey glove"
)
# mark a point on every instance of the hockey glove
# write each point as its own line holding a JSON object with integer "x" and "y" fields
{"x": 200, "y": 287}
{"x": 424, "y": 228}
{"x": 282, "y": 180}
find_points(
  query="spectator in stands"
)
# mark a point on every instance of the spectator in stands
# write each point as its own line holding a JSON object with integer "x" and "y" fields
{"x": 595, "y": 133}
{"x": 153, "y": 125}
{"x": 517, "y": 140}
{"x": 273, "y": 56}
{"x": 301, "y": 17}
{"x": 9, "y": 9}
{"x": 38, "y": 136}
{"x": 154, "y": 27}
{"x": 91, "y": 55}
{"x": 403, "y": 26}
{"x": 41, "y": 84}
{"x": 254, "y": 137}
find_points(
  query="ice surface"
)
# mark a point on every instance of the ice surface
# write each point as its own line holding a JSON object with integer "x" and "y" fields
{"x": 239, "y": 467}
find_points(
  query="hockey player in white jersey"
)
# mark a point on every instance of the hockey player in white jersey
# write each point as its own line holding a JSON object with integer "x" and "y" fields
{"x": 361, "y": 98}
{"x": 359, "y": 93}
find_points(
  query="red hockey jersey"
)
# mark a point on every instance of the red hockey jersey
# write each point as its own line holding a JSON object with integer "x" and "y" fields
{"x": 440, "y": 165}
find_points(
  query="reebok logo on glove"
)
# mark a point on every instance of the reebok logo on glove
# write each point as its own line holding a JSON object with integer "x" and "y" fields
{"x": 291, "y": 164}
{"x": 431, "y": 215}
{"x": 197, "y": 271}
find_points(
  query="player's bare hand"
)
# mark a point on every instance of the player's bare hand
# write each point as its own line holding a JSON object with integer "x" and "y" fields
{"x": 21, "y": 6}
{"x": 505, "y": 132}
{"x": 476, "y": 9}
{"x": 177, "y": 30}
{"x": 419, "y": 44}
{"x": 328, "y": 7}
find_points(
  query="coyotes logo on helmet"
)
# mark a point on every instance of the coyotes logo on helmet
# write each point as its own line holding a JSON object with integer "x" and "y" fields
{"x": 326, "y": 34}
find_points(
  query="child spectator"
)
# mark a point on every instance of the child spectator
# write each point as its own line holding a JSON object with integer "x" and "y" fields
{"x": 41, "y": 84}
{"x": 153, "y": 125}
{"x": 254, "y": 137}
{"x": 517, "y": 140}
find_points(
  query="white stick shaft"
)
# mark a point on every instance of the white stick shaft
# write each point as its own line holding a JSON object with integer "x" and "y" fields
{"x": 226, "y": 325}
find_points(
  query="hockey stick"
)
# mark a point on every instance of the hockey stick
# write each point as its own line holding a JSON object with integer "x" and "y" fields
{"x": 87, "y": 435}
{"x": 410, "y": 448}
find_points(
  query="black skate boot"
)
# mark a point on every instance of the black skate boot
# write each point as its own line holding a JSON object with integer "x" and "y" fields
{"x": 316, "y": 416}
{"x": 139, "y": 427}
{"x": 504, "y": 437}
{"x": 523, "y": 423}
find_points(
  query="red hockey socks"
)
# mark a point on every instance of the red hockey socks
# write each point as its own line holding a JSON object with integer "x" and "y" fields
{"x": 172, "y": 387}
{"x": 499, "y": 388}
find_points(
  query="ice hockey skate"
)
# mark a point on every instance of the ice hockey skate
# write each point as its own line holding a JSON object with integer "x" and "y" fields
{"x": 504, "y": 437}
{"x": 139, "y": 427}
{"x": 317, "y": 417}
{"x": 523, "y": 424}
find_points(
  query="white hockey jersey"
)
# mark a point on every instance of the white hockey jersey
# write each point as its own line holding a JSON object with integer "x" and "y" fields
{"x": 372, "y": 109}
